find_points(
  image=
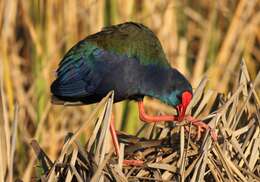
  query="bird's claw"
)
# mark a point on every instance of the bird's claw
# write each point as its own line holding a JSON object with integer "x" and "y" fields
{"x": 201, "y": 127}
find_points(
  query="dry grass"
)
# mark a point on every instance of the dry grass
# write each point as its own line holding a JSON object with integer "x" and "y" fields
{"x": 199, "y": 38}
{"x": 169, "y": 153}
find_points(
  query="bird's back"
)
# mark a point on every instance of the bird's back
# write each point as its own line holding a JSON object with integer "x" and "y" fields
{"x": 133, "y": 40}
{"x": 127, "y": 58}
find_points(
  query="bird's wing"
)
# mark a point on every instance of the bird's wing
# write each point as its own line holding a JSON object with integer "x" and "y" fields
{"x": 76, "y": 75}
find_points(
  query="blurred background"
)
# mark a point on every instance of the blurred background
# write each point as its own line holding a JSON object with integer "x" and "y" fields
{"x": 199, "y": 38}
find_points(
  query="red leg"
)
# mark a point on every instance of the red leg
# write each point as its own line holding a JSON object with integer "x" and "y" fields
{"x": 198, "y": 123}
{"x": 113, "y": 135}
{"x": 116, "y": 145}
{"x": 149, "y": 119}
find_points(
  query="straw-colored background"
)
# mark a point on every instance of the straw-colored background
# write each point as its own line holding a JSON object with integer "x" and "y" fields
{"x": 198, "y": 37}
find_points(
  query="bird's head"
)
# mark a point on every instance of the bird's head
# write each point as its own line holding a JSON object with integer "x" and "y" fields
{"x": 185, "y": 99}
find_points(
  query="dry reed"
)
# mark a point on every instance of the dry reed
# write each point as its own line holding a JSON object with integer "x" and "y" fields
{"x": 198, "y": 37}
{"x": 170, "y": 154}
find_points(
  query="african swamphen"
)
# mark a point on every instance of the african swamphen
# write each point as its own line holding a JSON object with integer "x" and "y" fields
{"x": 127, "y": 58}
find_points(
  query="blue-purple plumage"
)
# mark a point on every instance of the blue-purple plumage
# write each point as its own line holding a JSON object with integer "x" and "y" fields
{"x": 90, "y": 70}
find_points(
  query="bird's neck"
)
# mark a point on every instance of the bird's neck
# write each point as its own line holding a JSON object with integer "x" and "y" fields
{"x": 155, "y": 80}
{"x": 161, "y": 83}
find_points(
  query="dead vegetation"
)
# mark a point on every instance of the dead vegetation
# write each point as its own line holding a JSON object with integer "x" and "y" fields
{"x": 199, "y": 38}
{"x": 169, "y": 152}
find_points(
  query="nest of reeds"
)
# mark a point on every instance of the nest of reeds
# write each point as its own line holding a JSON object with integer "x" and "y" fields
{"x": 169, "y": 152}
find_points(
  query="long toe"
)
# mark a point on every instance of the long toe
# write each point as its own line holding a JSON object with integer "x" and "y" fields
{"x": 199, "y": 133}
{"x": 201, "y": 126}
{"x": 133, "y": 162}
{"x": 214, "y": 135}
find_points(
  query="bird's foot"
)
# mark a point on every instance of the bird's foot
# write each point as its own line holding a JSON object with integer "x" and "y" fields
{"x": 133, "y": 162}
{"x": 201, "y": 127}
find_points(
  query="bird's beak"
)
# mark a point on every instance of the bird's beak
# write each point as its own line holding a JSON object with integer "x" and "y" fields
{"x": 181, "y": 108}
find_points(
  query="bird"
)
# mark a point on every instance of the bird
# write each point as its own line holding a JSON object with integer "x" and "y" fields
{"x": 129, "y": 59}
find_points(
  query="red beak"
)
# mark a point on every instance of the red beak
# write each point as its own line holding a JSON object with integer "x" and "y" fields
{"x": 181, "y": 108}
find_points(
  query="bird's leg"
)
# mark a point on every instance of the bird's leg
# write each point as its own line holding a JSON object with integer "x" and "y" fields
{"x": 114, "y": 135}
{"x": 198, "y": 123}
{"x": 150, "y": 119}
{"x": 116, "y": 145}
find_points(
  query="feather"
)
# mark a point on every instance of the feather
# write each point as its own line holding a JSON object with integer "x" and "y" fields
{"x": 127, "y": 58}
{"x": 75, "y": 78}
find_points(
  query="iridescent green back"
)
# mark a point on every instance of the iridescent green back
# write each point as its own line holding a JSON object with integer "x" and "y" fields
{"x": 133, "y": 40}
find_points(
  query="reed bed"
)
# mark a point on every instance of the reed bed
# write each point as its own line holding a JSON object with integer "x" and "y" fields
{"x": 199, "y": 39}
{"x": 169, "y": 153}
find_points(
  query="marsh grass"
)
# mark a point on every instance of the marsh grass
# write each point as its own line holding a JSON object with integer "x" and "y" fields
{"x": 199, "y": 39}
{"x": 169, "y": 153}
